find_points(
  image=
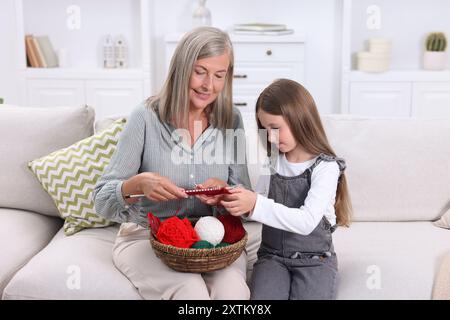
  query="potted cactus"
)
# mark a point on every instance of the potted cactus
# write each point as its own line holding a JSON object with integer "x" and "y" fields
{"x": 435, "y": 56}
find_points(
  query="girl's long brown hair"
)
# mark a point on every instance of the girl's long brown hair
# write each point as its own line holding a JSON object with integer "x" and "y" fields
{"x": 291, "y": 100}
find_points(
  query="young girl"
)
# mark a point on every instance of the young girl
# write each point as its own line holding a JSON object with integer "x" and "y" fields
{"x": 300, "y": 203}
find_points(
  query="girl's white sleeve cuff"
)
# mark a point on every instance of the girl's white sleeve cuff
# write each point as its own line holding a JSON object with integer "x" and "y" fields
{"x": 257, "y": 213}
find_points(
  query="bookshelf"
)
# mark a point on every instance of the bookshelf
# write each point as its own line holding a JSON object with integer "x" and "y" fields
{"x": 84, "y": 80}
{"x": 406, "y": 90}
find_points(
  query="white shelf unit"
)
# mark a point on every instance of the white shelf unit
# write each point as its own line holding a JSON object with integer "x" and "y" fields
{"x": 395, "y": 93}
{"x": 258, "y": 60}
{"x": 85, "y": 82}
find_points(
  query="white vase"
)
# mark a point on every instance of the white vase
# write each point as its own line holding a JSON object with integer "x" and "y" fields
{"x": 380, "y": 45}
{"x": 373, "y": 62}
{"x": 434, "y": 60}
{"x": 63, "y": 58}
{"x": 201, "y": 15}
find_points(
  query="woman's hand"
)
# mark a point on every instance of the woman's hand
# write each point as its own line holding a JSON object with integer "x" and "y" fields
{"x": 239, "y": 202}
{"x": 154, "y": 186}
{"x": 210, "y": 183}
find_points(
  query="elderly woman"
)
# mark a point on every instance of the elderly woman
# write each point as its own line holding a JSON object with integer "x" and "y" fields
{"x": 174, "y": 141}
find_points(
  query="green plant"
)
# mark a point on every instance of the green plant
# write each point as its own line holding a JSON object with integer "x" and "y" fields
{"x": 436, "y": 41}
{"x": 1, "y": 100}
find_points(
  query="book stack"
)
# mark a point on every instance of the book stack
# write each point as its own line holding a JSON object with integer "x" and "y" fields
{"x": 266, "y": 29}
{"x": 40, "y": 53}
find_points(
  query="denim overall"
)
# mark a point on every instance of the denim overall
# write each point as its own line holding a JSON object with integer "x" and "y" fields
{"x": 291, "y": 266}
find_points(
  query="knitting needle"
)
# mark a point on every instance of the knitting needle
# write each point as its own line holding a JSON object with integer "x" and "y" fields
{"x": 189, "y": 192}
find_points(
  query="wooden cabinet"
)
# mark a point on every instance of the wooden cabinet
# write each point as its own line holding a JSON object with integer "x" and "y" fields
{"x": 380, "y": 99}
{"x": 411, "y": 94}
{"x": 283, "y": 48}
{"x": 431, "y": 99}
{"x": 113, "y": 97}
{"x": 257, "y": 64}
{"x": 107, "y": 95}
{"x": 55, "y": 93}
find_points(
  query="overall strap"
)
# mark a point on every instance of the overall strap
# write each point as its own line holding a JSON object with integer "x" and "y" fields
{"x": 329, "y": 158}
{"x": 342, "y": 165}
{"x": 270, "y": 163}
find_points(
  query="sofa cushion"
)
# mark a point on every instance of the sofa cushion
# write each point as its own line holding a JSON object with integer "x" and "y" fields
{"x": 23, "y": 234}
{"x": 27, "y": 133}
{"x": 51, "y": 274}
{"x": 69, "y": 175}
{"x": 104, "y": 123}
{"x": 75, "y": 267}
{"x": 389, "y": 260}
{"x": 398, "y": 169}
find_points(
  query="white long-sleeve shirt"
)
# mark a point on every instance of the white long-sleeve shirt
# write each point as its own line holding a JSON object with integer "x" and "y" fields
{"x": 318, "y": 203}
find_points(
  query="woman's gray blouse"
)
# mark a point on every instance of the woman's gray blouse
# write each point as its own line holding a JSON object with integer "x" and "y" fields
{"x": 149, "y": 145}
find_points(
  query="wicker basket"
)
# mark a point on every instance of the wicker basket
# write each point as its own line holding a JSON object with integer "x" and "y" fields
{"x": 198, "y": 260}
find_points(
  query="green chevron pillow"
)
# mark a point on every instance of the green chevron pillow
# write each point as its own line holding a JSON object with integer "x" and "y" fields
{"x": 69, "y": 176}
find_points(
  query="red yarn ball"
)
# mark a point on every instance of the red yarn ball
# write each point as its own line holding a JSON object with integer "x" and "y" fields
{"x": 234, "y": 230}
{"x": 177, "y": 232}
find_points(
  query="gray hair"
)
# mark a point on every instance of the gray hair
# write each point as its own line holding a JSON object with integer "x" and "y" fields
{"x": 172, "y": 103}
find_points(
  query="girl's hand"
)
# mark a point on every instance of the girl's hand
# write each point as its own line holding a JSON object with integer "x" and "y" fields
{"x": 211, "y": 182}
{"x": 239, "y": 202}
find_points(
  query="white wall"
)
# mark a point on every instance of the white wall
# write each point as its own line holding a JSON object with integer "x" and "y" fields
{"x": 318, "y": 20}
{"x": 9, "y": 75}
{"x": 406, "y": 23}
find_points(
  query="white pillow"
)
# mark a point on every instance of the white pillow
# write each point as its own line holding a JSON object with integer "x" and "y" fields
{"x": 27, "y": 133}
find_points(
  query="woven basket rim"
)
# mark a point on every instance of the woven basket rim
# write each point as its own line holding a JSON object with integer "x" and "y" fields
{"x": 194, "y": 252}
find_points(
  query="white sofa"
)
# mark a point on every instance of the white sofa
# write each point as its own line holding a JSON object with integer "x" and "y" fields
{"x": 399, "y": 179}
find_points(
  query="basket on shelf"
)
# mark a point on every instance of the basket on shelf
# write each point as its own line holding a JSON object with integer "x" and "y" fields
{"x": 198, "y": 260}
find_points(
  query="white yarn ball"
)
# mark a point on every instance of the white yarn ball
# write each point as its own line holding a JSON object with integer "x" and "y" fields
{"x": 210, "y": 229}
